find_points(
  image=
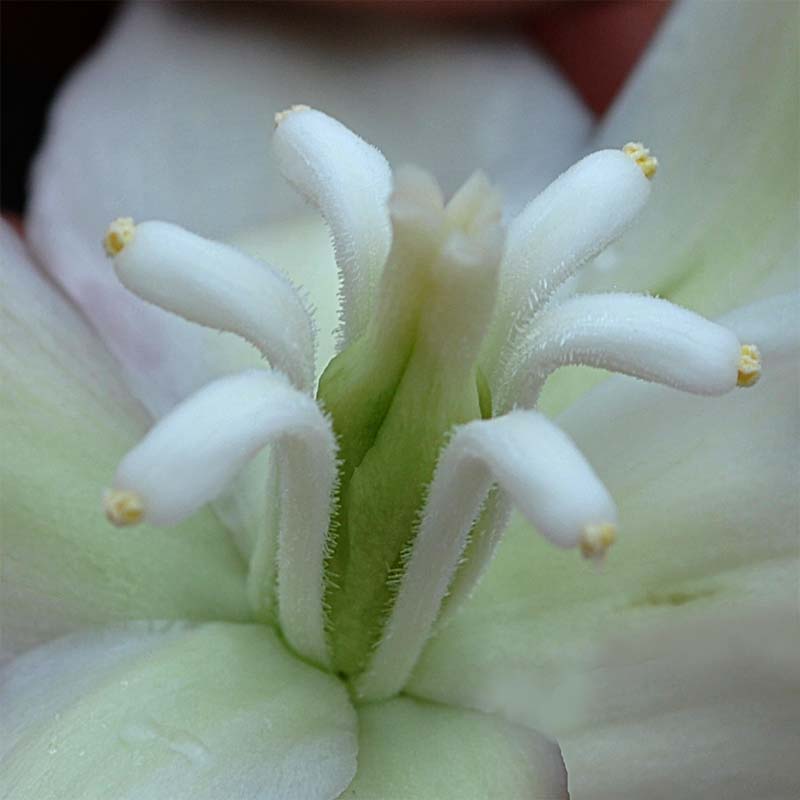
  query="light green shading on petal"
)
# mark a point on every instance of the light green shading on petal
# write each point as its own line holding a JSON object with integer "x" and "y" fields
{"x": 410, "y": 750}
{"x": 300, "y": 247}
{"x": 707, "y": 491}
{"x": 565, "y": 386}
{"x": 716, "y": 100}
{"x": 66, "y": 422}
{"x": 202, "y": 713}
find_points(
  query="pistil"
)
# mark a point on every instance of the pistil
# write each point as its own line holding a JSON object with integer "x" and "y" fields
{"x": 415, "y": 377}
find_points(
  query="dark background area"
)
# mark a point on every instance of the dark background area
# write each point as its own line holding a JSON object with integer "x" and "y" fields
{"x": 39, "y": 41}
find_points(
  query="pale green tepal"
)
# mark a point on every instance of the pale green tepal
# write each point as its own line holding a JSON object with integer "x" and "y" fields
{"x": 354, "y": 657}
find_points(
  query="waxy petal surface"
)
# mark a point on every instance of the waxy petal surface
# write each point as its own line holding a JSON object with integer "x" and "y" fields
{"x": 204, "y": 712}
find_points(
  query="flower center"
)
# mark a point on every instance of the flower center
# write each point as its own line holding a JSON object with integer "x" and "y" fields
{"x": 396, "y": 391}
{"x": 389, "y": 491}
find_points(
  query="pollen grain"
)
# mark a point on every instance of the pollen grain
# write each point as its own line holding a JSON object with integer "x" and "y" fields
{"x": 120, "y": 232}
{"x": 749, "y": 366}
{"x": 597, "y": 539}
{"x": 647, "y": 163}
{"x": 123, "y": 507}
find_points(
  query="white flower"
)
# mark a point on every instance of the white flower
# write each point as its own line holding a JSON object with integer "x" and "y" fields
{"x": 441, "y": 324}
{"x": 224, "y": 709}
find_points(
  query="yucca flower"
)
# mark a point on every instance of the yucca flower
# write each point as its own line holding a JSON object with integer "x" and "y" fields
{"x": 335, "y": 645}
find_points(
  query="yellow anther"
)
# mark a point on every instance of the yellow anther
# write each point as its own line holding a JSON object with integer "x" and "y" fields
{"x": 749, "y": 365}
{"x": 282, "y": 115}
{"x": 641, "y": 155}
{"x": 119, "y": 233}
{"x": 123, "y": 507}
{"x": 597, "y": 539}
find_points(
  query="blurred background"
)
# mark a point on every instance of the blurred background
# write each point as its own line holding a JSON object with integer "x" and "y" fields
{"x": 595, "y": 43}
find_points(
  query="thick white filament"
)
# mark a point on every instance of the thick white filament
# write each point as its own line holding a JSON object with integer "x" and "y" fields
{"x": 218, "y": 286}
{"x": 572, "y": 220}
{"x": 194, "y": 452}
{"x": 545, "y": 476}
{"x": 636, "y": 335}
{"x": 349, "y": 181}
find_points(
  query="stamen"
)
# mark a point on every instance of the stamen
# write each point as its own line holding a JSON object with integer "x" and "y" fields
{"x": 349, "y": 181}
{"x": 548, "y": 480}
{"x": 217, "y": 286}
{"x": 571, "y": 221}
{"x": 596, "y": 539}
{"x": 749, "y": 366}
{"x": 641, "y": 155}
{"x": 122, "y": 507}
{"x": 120, "y": 232}
{"x": 193, "y": 453}
{"x": 645, "y": 337}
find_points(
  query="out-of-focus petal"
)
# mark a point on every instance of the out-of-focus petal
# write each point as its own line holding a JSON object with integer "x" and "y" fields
{"x": 716, "y": 100}
{"x": 66, "y": 421}
{"x": 170, "y": 120}
{"x": 212, "y": 711}
{"x": 417, "y": 751}
{"x": 704, "y": 709}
